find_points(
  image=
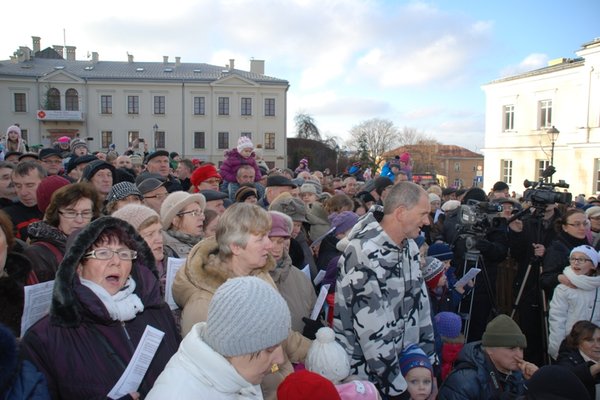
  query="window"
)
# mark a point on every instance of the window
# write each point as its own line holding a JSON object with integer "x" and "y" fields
{"x": 457, "y": 167}
{"x": 105, "y": 104}
{"x": 159, "y": 140}
{"x": 247, "y": 134}
{"x": 545, "y": 113}
{"x": 53, "y": 99}
{"x": 597, "y": 166}
{"x": 132, "y": 136}
{"x": 509, "y": 118}
{"x": 20, "y": 102}
{"x": 457, "y": 183}
{"x": 199, "y": 106}
{"x": 507, "y": 171}
{"x": 106, "y": 138}
{"x": 270, "y": 140}
{"x": 71, "y": 100}
{"x": 223, "y": 105}
{"x": 199, "y": 140}
{"x": 25, "y": 135}
{"x": 269, "y": 107}
{"x": 541, "y": 166}
{"x": 159, "y": 105}
{"x": 223, "y": 140}
{"x": 133, "y": 104}
{"x": 246, "y": 106}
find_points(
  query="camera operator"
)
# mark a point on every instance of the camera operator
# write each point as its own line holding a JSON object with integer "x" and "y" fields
{"x": 528, "y": 237}
{"x": 493, "y": 246}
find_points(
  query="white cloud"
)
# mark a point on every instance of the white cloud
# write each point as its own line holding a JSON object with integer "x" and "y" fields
{"x": 531, "y": 62}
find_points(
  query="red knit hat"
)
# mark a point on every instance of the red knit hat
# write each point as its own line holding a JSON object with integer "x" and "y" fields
{"x": 304, "y": 384}
{"x": 204, "y": 172}
{"x": 46, "y": 188}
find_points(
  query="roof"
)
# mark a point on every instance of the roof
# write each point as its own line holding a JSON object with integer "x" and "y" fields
{"x": 566, "y": 64}
{"x": 115, "y": 70}
{"x": 442, "y": 151}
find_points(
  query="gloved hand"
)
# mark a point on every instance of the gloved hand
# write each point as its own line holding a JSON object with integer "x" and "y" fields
{"x": 311, "y": 327}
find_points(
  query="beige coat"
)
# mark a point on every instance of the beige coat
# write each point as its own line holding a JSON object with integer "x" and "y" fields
{"x": 194, "y": 287}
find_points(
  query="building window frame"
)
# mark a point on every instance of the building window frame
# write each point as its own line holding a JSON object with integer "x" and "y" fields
{"x": 160, "y": 105}
{"x": 507, "y": 171}
{"x": 53, "y": 99}
{"x": 106, "y": 104}
{"x": 160, "y": 140}
{"x": 132, "y": 136}
{"x": 199, "y": 105}
{"x": 540, "y": 166}
{"x": 246, "y": 106}
{"x": 106, "y": 139}
{"x": 270, "y": 140}
{"x": 71, "y": 100}
{"x": 199, "y": 140}
{"x": 133, "y": 105}
{"x": 545, "y": 114}
{"x": 509, "y": 118}
{"x": 270, "y": 107}
{"x": 222, "y": 140}
{"x": 223, "y": 108}
{"x": 20, "y": 102}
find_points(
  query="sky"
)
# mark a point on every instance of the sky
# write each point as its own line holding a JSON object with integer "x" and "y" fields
{"x": 419, "y": 64}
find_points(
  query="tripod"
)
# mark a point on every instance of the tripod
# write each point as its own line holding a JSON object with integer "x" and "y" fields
{"x": 474, "y": 259}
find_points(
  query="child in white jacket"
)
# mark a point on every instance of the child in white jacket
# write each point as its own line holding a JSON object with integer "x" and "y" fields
{"x": 580, "y": 302}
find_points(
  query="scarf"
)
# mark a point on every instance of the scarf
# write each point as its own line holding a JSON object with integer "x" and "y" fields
{"x": 184, "y": 237}
{"x": 122, "y": 306}
{"x": 583, "y": 282}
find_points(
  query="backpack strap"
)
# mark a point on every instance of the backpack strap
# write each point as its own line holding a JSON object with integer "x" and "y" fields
{"x": 57, "y": 254}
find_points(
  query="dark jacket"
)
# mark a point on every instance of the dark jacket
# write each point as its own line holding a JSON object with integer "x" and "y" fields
{"x": 17, "y": 268}
{"x": 475, "y": 378}
{"x": 21, "y": 217}
{"x": 46, "y": 250}
{"x": 99, "y": 348}
{"x": 556, "y": 259}
{"x": 19, "y": 380}
{"x": 573, "y": 360}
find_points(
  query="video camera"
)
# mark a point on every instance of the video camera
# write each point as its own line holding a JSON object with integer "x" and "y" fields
{"x": 541, "y": 193}
{"x": 478, "y": 217}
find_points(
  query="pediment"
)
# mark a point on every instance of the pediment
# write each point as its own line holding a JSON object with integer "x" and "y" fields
{"x": 61, "y": 76}
{"x": 234, "y": 80}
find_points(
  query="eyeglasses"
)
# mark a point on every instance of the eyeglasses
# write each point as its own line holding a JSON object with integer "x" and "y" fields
{"x": 193, "y": 213}
{"x": 579, "y": 224}
{"x": 577, "y": 260}
{"x": 107, "y": 254}
{"x": 157, "y": 196}
{"x": 70, "y": 214}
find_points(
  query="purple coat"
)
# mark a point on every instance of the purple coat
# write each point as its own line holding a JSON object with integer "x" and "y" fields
{"x": 233, "y": 161}
{"x": 78, "y": 347}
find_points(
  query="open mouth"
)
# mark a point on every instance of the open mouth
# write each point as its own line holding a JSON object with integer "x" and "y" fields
{"x": 113, "y": 279}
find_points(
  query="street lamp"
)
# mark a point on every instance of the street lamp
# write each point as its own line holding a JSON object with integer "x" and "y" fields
{"x": 553, "y": 136}
{"x": 337, "y": 156}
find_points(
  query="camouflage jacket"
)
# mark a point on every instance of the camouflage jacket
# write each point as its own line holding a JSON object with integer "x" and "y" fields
{"x": 381, "y": 305}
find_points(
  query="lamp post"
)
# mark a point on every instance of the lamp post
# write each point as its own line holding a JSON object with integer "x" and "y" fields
{"x": 337, "y": 157}
{"x": 553, "y": 136}
{"x": 155, "y": 129}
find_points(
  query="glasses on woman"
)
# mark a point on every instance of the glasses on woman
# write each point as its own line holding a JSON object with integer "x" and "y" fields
{"x": 107, "y": 254}
{"x": 579, "y": 223}
{"x": 193, "y": 213}
{"x": 577, "y": 260}
{"x": 71, "y": 214}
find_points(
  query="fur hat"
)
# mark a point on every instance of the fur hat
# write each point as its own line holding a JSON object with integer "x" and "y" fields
{"x": 46, "y": 189}
{"x": 175, "y": 202}
{"x": 589, "y": 252}
{"x": 343, "y": 221}
{"x": 502, "y": 331}
{"x": 244, "y": 142}
{"x": 441, "y": 251}
{"x": 246, "y": 315}
{"x": 432, "y": 272}
{"x": 135, "y": 214}
{"x": 327, "y": 357}
{"x": 413, "y": 357}
{"x": 448, "y": 324}
{"x": 305, "y": 384}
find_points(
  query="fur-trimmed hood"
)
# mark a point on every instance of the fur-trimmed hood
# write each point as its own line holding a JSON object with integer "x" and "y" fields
{"x": 204, "y": 270}
{"x": 72, "y": 302}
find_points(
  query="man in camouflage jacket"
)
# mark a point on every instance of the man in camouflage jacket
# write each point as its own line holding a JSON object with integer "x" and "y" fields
{"x": 381, "y": 303}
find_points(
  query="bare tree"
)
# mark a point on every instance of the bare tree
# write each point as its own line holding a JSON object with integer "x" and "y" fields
{"x": 376, "y": 136}
{"x": 306, "y": 127}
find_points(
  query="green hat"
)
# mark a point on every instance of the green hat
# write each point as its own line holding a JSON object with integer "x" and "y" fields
{"x": 502, "y": 331}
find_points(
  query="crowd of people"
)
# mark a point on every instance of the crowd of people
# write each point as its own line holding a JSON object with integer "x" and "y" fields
{"x": 294, "y": 283}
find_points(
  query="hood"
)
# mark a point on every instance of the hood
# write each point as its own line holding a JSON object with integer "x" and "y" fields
{"x": 205, "y": 270}
{"x": 368, "y": 221}
{"x": 71, "y": 300}
{"x": 471, "y": 356}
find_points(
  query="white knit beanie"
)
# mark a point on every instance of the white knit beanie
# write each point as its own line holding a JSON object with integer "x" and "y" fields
{"x": 177, "y": 201}
{"x": 135, "y": 214}
{"x": 327, "y": 357}
{"x": 246, "y": 315}
{"x": 244, "y": 142}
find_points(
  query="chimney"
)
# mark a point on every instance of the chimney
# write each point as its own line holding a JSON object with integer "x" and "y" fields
{"x": 257, "y": 66}
{"x": 95, "y": 56}
{"x": 24, "y": 54}
{"x": 36, "y": 43}
{"x": 177, "y": 61}
{"x": 70, "y": 52}
{"x": 165, "y": 60}
{"x": 129, "y": 58}
{"x": 58, "y": 49}
{"x": 231, "y": 63}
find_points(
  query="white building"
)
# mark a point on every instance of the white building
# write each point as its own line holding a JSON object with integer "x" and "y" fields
{"x": 197, "y": 110}
{"x": 520, "y": 111}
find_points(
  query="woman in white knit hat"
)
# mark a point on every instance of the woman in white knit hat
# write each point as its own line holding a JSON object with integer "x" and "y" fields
{"x": 182, "y": 217}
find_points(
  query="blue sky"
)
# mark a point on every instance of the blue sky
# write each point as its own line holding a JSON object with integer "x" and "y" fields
{"x": 420, "y": 64}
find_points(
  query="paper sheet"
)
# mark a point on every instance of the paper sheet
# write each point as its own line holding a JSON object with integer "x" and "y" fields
{"x": 306, "y": 271}
{"x": 132, "y": 377}
{"x": 37, "y": 304}
{"x": 472, "y": 273}
{"x": 319, "y": 278}
{"x": 173, "y": 265}
{"x": 320, "y": 301}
